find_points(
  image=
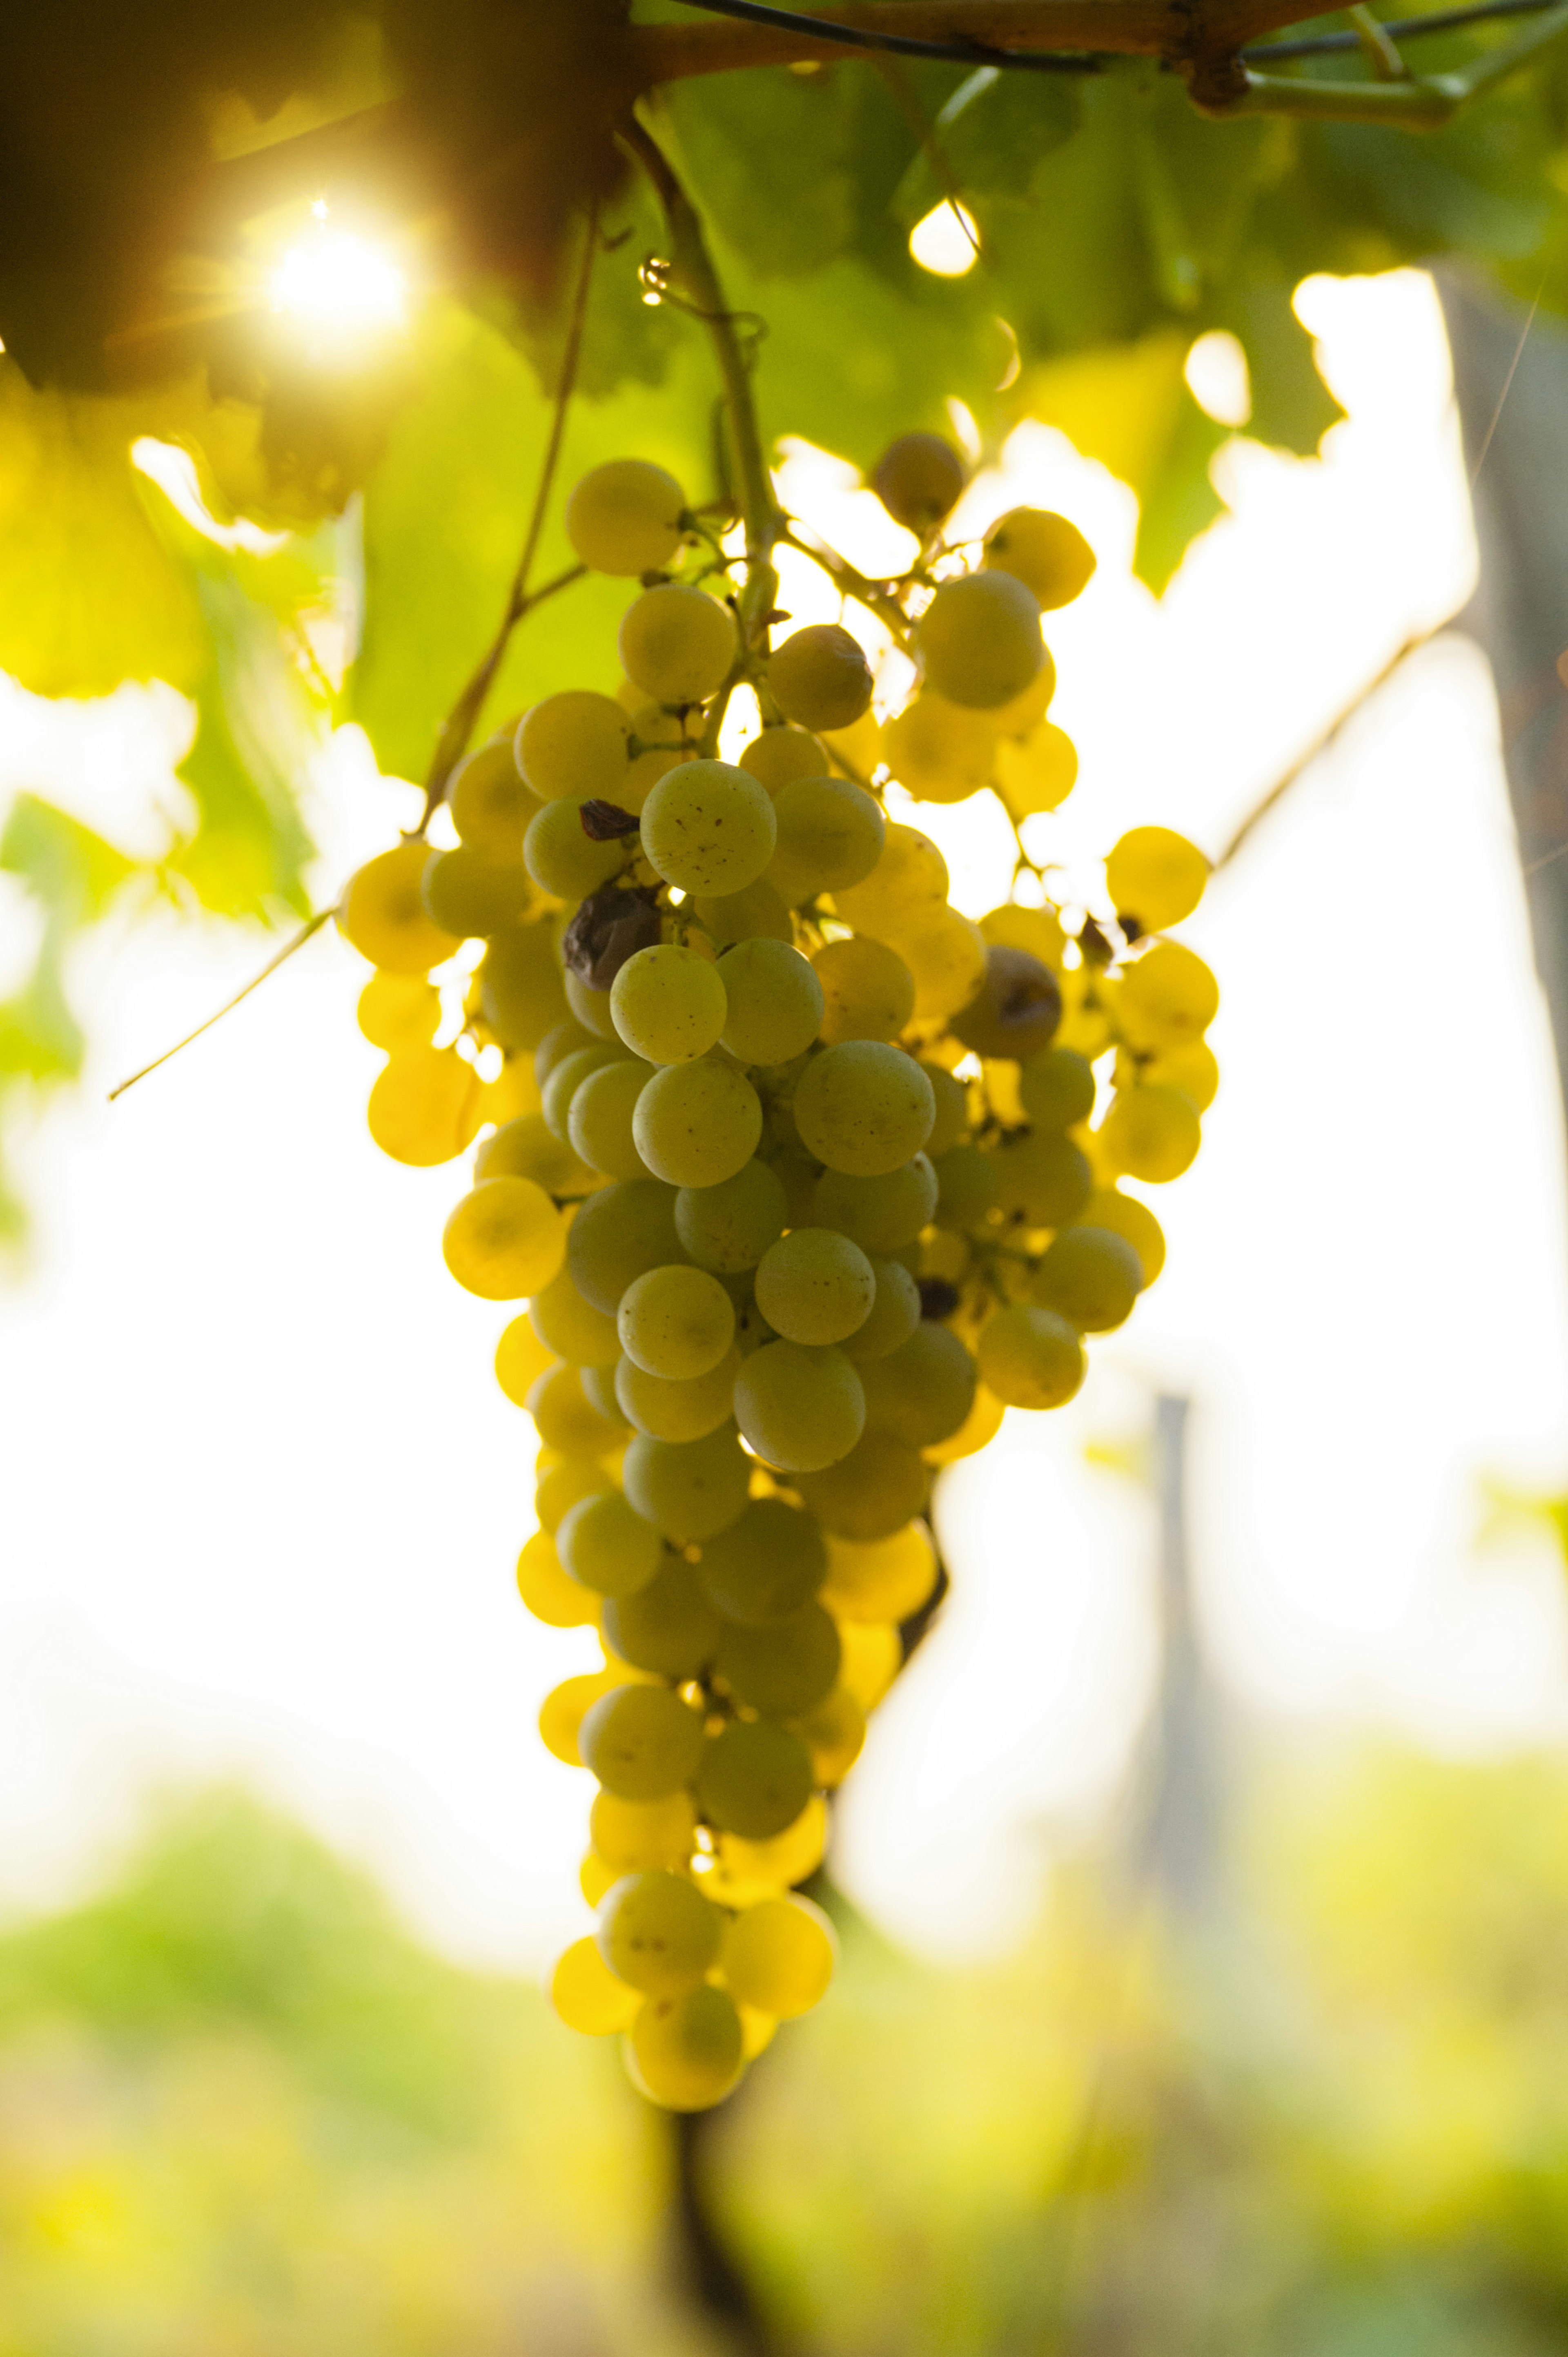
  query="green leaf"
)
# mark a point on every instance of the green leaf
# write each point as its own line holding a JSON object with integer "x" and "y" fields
{"x": 70, "y": 869}
{"x": 1178, "y": 499}
{"x": 1292, "y": 407}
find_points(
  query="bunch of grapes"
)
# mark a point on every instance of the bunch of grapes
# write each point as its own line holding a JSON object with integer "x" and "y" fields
{"x": 804, "y": 1177}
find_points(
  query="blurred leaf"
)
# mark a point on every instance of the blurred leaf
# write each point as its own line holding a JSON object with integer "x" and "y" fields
{"x": 72, "y": 870}
{"x": 1292, "y": 407}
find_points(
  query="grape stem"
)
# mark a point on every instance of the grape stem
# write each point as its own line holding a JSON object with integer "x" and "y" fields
{"x": 312, "y": 925}
{"x": 875, "y": 596}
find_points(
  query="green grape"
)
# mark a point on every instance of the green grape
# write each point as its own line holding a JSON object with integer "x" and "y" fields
{"x": 559, "y": 1043}
{"x": 829, "y": 837}
{"x": 1126, "y": 1217}
{"x": 709, "y": 827}
{"x": 549, "y": 1591}
{"x": 638, "y": 1836}
{"x": 676, "y": 1321}
{"x": 878, "y": 1214}
{"x": 1015, "y": 1011}
{"x": 599, "y": 1121}
{"x": 833, "y": 1731}
{"x": 696, "y": 1125}
{"x": 800, "y": 1408}
{"x": 599, "y": 1390}
{"x": 757, "y": 914}
{"x": 677, "y": 1411}
{"x": 1091, "y": 1276}
{"x": 980, "y": 640}
{"x": 490, "y": 805}
{"x": 468, "y": 893}
{"x": 727, "y": 1228}
{"x": 525, "y": 1149}
{"x": 881, "y": 1485}
{"x": 620, "y": 1232}
{"x": 626, "y": 517}
{"x": 1057, "y": 1088}
{"x": 1156, "y": 876}
{"x": 568, "y": 1419}
{"x": 755, "y": 1778}
{"x": 690, "y": 1490}
{"x": 399, "y": 1010}
{"x": 591, "y": 1008}
{"x": 574, "y": 745}
{"x": 815, "y": 1285}
{"x": 1042, "y": 1179}
{"x": 785, "y": 1668}
{"x": 966, "y": 1187}
{"x": 669, "y": 1626}
{"x": 937, "y": 751}
{"x": 894, "y": 1314}
{"x": 1151, "y": 1133}
{"x": 868, "y": 992}
{"x": 677, "y": 644}
{"x": 919, "y": 478}
{"x": 587, "y": 1996}
{"x": 779, "y": 756}
{"x": 658, "y": 1933}
{"x": 382, "y": 914}
{"x": 425, "y": 1107}
{"x": 1045, "y": 552}
{"x": 504, "y": 1239}
{"x": 520, "y": 1358}
{"x": 689, "y": 2051}
{"x": 1030, "y": 1357}
{"x": 567, "y": 1077}
{"x": 1036, "y": 772}
{"x": 641, "y": 1742}
{"x": 562, "y": 1485}
{"x": 564, "y": 1708}
{"x": 889, "y": 1579}
{"x": 946, "y": 954}
{"x": 521, "y": 985}
{"x": 1167, "y": 998}
{"x": 667, "y": 1003}
{"x": 923, "y": 1392}
{"x": 775, "y": 1001}
{"x": 563, "y": 857}
{"x": 909, "y": 883}
{"x": 778, "y": 1956}
{"x": 952, "y": 1109}
{"x": 571, "y": 1327}
{"x": 797, "y": 1173}
{"x": 820, "y": 677}
{"x": 864, "y": 1107}
{"x": 765, "y": 1567}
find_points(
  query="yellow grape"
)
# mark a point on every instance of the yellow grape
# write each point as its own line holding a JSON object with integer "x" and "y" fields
{"x": 399, "y": 1010}
{"x": 937, "y": 751}
{"x": 908, "y": 884}
{"x": 831, "y": 835}
{"x": 626, "y": 517}
{"x": 1030, "y": 1357}
{"x": 775, "y": 1001}
{"x": 511, "y": 1093}
{"x": 636, "y": 1836}
{"x": 504, "y": 1239}
{"x": 562, "y": 1713}
{"x": 980, "y": 640}
{"x": 755, "y": 1778}
{"x": 1125, "y": 1216}
{"x": 659, "y": 1933}
{"x": 570, "y": 1327}
{"x": 1045, "y": 551}
{"x": 471, "y": 895}
{"x": 563, "y": 1483}
{"x": 382, "y": 914}
{"x": 863, "y": 1108}
{"x": 567, "y": 1420}
{"x": 1193, "y": 1070}
{"x": 688, "y": 2050}
{"x": 709, "y": 827}
{"x": 946, "y": 955}
{"x": 779, "y": 1957}
{"x": 881, "y": 1485}
{"x": 820, "y": 677}
{"x": 1167, "y": 998}
{"x": 550, "y": 1592}
{"x": 1151, "y": 1134}
{"x": 574, "y": 745}
{"x": 952, "y": 1109}
{"x": 677, "y": 643}
{"x": 779, "y": 756}
{"x": 833, "y": 1731}
{"x": 757, "y": 914}
{"x": 868, "y": 992}
{"x": 424, "y": 1105}
{"x": 561, "y": 856}
{"x": 755, "y": 2031}
{"x": 677, "y": 1322}
{"x": 520, "y": 1358}
{"x": 745, "y": 1871}
{"x": 697, "y": 1125}
{"x": 886, "y": 1580}
{"x": 643, "y": 1743}
{"x": 799, "y": 1407}
{"x": 1156, "y": 876}
{"x": 528, "y": 1148}
{"x": 490, "y": 805}
{"x": 920, "y": 480}
{"x": 1036, "y": 772}
{"x": 873, "y": 1655}
{"x": 980, "y": 1426}
{"x": 594, "y": 1879}
{"x": 587, "y": 1996}
{"x": 677, "y": 1410}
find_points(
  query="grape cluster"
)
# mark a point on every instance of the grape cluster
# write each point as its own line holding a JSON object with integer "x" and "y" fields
{"x": 804, "y": 1177}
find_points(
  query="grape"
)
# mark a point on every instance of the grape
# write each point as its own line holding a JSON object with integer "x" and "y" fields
{"x": 1091, "y": 1276}
{"x": 727, "y": 1228}
{"x": 966, "y": 1187}
{"x": 550, "y": 1593}
{"x": 382, "y": 914}
{"x": 922, "y": 1392}
{"x": 758, "y": 913}
{"x": 1167, "y": 998}
{"x": 755, "y": 1778}
{"x": 594, "y": 1879}
{"x": 566, "y": 1418}
{"x": 641, "y": 1742}
{"x": 520, "y": 1358}
{"x": 979, "y": 1428}
{"x": 778, "y": 1956}
{"x": 909, "y": 884}
{"x": 920, "y": 480}
{"x": 820, "y": 677}
{"x": 1151, "y": 1133}
{"x": 745, "y": 1871}
{"x": 952, "y": 1109}
{"x": 782, "y": 1669}
{"x": 815, "y": 1285}
{"x": 425, "y": 1107}
{"x": 1045, "y": 551}
{"x": 797, "y": 1173}
{"x": 800, "y": 1408}
{"x": 1192, "y": 1069}
{"x": 764, "y": 1568}
{"x": 879, "y": 1214}
{"x": 873, "y": 1657}
{"x": 834, "y": 1732}
{"x": 677, "y": 644}
{"x": 937, "y": 751}
{"x": 864, "y": 1107}
{"x": 894, "y": 1314}
{"x": 868, "y": 991}
{"x": 669, "y": 1626}
{"x": 620, "y": 1232}
{"x": 946, "y": 954}
{"x": 980, "y": 640}
{"x": 600, "y": 1122}
{"x": 1156, "y": 876}
{"x": 591, "y": 1008}
{"x": 599, "y": 1390}
{"x": 399, "y": 1010}
{"x": 505, "y": 1239}
{"x": 626, "y": 517}
{"x": 889, "y": 1579}
{"x": 638, "y": 1836}
{"x": 522, "y": 987}
{"x": 562, "y": 1484}
{"x": 587, "y": 1996}
{"x": 468, "y": 893}
{"x": 512, "y": 1092}
{"x": 563, "y": 1709}
{"x": 605, "y": 1545}
{"x": 677, "y": 1411}
{"x": 709, "y": 827}
{"x": 667, "y": 1003}
{"x": 1017, "y": 1010}
{"x": 775, "y": 1001}
{"x": 1036, "y": 773}
{"x": 688, "y": 2052}
{"x": 690, "y": 1489}
{"x": 830, "y": 838}
{"x": 1125, "y": 1216}
{"x": 1057, "y": 1088}
{"x": 1042, "y": 1179}
{"x": 676, "y": 1321}
{"x": 563, "y": 859}
{"x": 1030, "y": 1357}
{"x": 567, "y": 1077}
{"x": 526, "y": 1148}
{"x": 779, "y": 756}
{"x": 490, "y": 805}
{"x": 657, "y": 1931}
{"x": 872, "y": 1492}
{"x": 573, "y": 747}
{"x": 696, "y": 1125}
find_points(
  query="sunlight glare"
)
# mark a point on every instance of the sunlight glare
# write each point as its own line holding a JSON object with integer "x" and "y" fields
{"x": 946, "y": 242}
{"x": 336, "y": 284}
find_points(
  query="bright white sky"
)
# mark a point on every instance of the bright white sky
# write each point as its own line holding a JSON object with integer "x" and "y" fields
{"x": 262, "y": 1498}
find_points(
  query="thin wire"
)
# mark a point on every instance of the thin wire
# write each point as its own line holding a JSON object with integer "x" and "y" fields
{"x": 855, "y": 37}
{"x": 287, "y": 951}
{"x": 1513, "y": 368}
{"x": 1400, "y": 28}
